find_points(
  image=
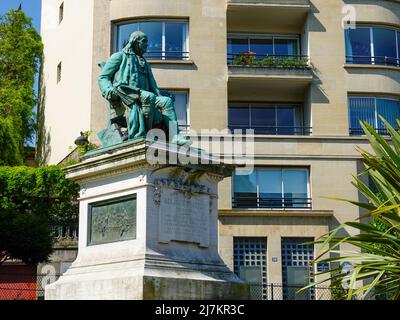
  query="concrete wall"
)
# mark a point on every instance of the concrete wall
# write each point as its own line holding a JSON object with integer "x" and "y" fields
{"x": 67, "y": 104}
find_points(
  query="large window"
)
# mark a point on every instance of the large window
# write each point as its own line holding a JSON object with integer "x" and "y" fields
{"x": 368, "y": 109}
{"x": 272, "y": 188}
{"x": 265, "y": 118}
{"x": 168, "y": 40}
{"x": 373, "y": 45}
{"x": 182, "y": 109}
{"x": 263, "y": 45}
{"x": 297, "y": 268}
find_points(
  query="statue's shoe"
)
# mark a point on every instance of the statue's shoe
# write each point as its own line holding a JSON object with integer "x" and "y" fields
{"x": 181, "y": 141}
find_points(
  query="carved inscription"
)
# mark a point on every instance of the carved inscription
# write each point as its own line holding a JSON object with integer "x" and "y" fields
{"x": 184, "y": 218}
{"x": 112, "y": 221}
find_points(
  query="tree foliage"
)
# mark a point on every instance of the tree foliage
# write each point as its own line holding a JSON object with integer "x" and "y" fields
{"x": 376, "y": 254}
{"x": 20, "y": 55}
{"x": 31, "y": 201}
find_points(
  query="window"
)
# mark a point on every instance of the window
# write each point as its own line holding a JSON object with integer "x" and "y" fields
{"x": 181, "y": 108}
{"x": 263, "y": 45}
{"x": 263, "y": 118}
{"x": 373, "y": 45}
{"x": 168, "y": 40}
{"x": 61, "y": 13}
{"x": 297, "y": 268}
{"x": 368, "y": 109}
{"x": 59, "y": 72}
{"x": 250, "y": 264}
{"x": 272, "y": 188}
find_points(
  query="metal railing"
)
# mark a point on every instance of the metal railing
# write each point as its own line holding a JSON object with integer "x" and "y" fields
{"x": 167, "y": 55}
{"x": 377, "y": 60}
{"x": 274, "y": 130}
{"x": 249, "y": 202}
{"x": 360, "y": 131}
{"x": 268, "y": 60}
{"x": 273, "y": 291}
{"x": 24, "y": 286}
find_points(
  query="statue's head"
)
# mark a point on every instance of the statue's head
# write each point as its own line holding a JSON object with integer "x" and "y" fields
{"x": 138, "y": 42}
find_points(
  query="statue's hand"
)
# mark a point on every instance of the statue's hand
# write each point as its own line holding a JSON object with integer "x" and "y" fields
{"x": 113, "y": 97}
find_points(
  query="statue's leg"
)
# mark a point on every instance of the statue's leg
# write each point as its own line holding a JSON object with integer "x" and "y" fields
{"x": 166, "y": 106}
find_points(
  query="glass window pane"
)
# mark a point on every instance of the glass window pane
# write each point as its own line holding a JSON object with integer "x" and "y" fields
{"x": 181, "y": 103}
{"x": 270, "y": 187}
{"x": 361, "y": 109}
{"x": 262, "y": 47}
{"x": 389, "y": 109}
{"x": 245, "y": 190}
{"x": 263, "y": 120}
{"x": 286, "y": 47}
{"x": 236, "y": 47}
{"x": 385, "y": 46}
{"x": 153, "y": 30}
{"x": 286, "y": 120}
{"x": 175, "y": 40}
{"x": 295, "y": 187}
{"x": 238, "y": 118}
{"x": 398, "y": 48}
{"x": 123, "y": 33}
{"x": 358, "y": 46}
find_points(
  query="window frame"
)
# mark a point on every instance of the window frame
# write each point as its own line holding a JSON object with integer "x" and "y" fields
{"x": 375, "y": 126}
{"x": 272, "y": 36}
{"x": 185, "y": 54}
{"x": 283, "y": 207}
{"x": 349, "y": 59}
{"x": 187, "y": 92}
{"x": 298, "y": 115}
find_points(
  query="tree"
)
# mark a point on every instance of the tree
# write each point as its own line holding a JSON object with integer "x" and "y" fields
{"x": 31, "y": 201}
{"x": 376, "y": 258}
{"x": 20, "y": 56}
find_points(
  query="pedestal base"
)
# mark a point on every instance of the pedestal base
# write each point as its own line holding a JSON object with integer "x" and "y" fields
{"x": 136, "y": 281}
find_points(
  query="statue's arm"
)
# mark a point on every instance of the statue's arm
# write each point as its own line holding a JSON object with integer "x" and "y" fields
{"x": 107, "y": 74}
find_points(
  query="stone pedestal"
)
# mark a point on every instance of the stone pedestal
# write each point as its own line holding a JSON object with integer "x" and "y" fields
{"x": 147, "y": 231}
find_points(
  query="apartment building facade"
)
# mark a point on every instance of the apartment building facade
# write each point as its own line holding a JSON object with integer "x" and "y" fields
{"x": 300, "y": 73}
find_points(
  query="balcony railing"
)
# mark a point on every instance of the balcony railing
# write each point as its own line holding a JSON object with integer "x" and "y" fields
{"x": 64, "y": 233}
{"x": 360, "y": 131}
{"x": 167, "y": 55}
{"x": 378, "y": 60}
{"x": 253, "y": 59}
{"x": 270, "y": 203}
{"x": 274, "y": 130}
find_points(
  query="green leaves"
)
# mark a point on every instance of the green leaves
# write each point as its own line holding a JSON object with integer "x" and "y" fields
{"x": 20, "y": 55}
{"x": 376, "y": 260}
{"x": 248, "y": 59}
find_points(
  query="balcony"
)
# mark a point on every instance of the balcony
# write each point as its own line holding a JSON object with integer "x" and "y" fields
{"x": 250, "y": 15}
{"x": 287, "y": 75}
{"x": 65, "y": 235}
{"x": 275, "y": 130}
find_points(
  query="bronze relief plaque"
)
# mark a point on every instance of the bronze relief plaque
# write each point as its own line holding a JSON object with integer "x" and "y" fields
{"x": 112, "y": 220}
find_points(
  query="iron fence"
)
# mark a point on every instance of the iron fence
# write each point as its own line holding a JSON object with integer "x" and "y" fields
{"x": 274, "y": 291}
{"x": 274, "y": 130}
{"x": 271, "y": 203}
{"x": 24, "y": 286}
{"x": 377, "y": 60}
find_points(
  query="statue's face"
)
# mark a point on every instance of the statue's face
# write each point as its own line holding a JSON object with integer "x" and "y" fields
{"x": 142, "y": 44}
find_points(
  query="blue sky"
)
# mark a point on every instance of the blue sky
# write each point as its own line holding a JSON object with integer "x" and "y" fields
{"x": 30, "y": 7}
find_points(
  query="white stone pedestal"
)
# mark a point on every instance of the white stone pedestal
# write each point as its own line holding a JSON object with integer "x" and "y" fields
{"x": 167, "y": 249}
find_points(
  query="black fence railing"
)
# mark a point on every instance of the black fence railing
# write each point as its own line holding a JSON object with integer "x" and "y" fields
{"x": 268, "y": 60}
{"x": 274, "y": 291}
{"x": 270, "y": 203}
{"x": 167, "y": 55}
{"x": 360, "y": 131}
{"x": 378, "y": 60}
{"x": 274, "y": 130}
{"x": 24, "y": 286}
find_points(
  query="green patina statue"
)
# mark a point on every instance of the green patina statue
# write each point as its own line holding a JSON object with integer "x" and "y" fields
{"x": 135, "y": 104}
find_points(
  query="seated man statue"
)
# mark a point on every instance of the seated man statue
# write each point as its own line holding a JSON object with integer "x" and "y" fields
{"x": 127, "y": 82}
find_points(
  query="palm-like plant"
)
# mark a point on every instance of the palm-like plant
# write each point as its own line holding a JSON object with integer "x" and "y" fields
{"x": 376, "y": 254}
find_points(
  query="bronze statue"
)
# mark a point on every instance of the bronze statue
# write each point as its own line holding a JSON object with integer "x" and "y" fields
{"x": 135, "y": 103}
